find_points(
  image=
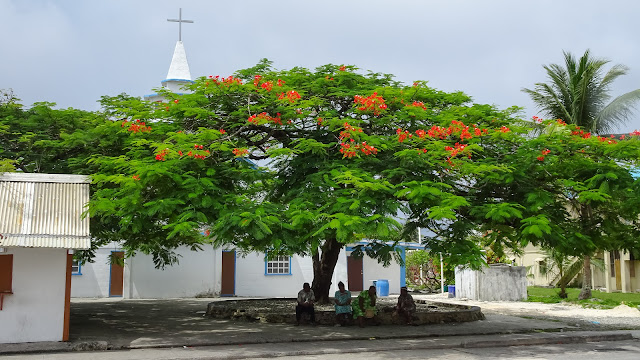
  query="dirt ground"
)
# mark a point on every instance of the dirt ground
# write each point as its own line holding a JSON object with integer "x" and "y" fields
{"x": 621, "y": 317}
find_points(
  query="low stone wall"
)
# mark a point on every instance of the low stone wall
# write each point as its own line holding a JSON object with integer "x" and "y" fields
{"x": 283, "y": 311}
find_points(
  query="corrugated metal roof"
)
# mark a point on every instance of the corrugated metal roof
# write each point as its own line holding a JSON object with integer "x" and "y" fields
{"x": 44, "y": 210}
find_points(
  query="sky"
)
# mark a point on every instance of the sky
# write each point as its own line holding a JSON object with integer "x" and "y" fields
{"x": 72, "y": 52}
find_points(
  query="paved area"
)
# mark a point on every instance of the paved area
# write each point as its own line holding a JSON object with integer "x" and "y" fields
{"x": 458, "y": 347}
{"x": 177, "y": 323}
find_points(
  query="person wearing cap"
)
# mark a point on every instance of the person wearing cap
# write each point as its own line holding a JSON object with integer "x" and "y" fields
{"x": 406, "y": 307}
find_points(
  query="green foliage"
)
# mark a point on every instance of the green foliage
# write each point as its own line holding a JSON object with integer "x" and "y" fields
{"x": 305, "y": 161}
{"x": 601, "y": 300}
{"x": 423, "y": 270}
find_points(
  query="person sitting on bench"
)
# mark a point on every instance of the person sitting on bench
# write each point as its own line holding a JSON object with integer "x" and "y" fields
{"x": 306, "y": 297}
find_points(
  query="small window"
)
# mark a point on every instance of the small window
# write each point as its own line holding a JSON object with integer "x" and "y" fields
{"x": 6, "y": 273}
{"x": 76, "y": 268}
{"x": 280, "y": 265}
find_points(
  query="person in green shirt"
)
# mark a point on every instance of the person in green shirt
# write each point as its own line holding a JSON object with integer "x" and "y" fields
{"x": 365, "y": 306}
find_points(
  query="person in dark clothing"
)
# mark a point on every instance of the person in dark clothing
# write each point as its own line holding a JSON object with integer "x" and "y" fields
{"x": 306, "y": 298}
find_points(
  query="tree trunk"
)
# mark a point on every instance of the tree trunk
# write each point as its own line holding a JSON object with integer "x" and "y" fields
{"x": 323, "y": 266}
{"x": 585, "y": 293}
{"x": 563, "y": 284}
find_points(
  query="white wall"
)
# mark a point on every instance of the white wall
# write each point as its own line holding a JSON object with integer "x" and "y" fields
{"x": 373, "y": 270}
{"x": 195, "y": 275}
{"x": 94, "y": 281}
{"x": 35, "y": 310}
{"x": 251, "y": 279}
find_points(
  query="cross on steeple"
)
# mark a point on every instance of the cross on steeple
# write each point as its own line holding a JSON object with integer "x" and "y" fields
{"x": 180, "y": 21}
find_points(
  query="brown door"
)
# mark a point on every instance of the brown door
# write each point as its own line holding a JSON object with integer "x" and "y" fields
{"x": 228, "y": 286}
{"x": 354, "y": 273}
{"x": 116, "y": 282}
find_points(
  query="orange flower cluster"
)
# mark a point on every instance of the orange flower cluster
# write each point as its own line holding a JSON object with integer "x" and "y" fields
{"x": 402, "y": 135}
{"x": 544, "y": 153}
{"x": 456, "y": 149}
{"x": 136, "y": 177}
{"x": 581, "y": 133}
{"x": 343, "y": 68}
{"x": 348, "y": 129}
{"x": 161, "y": 155}
{"x": 228, "y": 81}
{"x": 280, "y": 82}
{"x": 635, "y": 133}
{"x": 440, "y": 132}
{"x": 419, "y": 104}
{"x": 136, "y": 126}
{"x": 373, "y": 103}
{"x": 292, "y": 96}
{"x": 504, "y": 129}
{"x": 240, "y": 152}
{"x": 267, "y": 85}
{"x": 609, "y": 140}
{"x": 263, "y": 118}
{"x": 351, "y": 150}
{"x": 537, "y": 120}
{"x": 256, "y": 80}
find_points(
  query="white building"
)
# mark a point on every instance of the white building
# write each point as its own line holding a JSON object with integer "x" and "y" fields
{"x": 220, "y": 272}
{"x": 40, "y": 221}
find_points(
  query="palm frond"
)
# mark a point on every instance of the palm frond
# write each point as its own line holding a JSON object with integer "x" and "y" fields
{"x": 579, "y": 93}
{"x": 618, "y": 111}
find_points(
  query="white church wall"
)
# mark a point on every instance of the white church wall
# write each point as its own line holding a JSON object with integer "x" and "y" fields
{"x": 194, "y": 276}
{"x": 251, "y": 279}
{"x": 35, "y": 310}
{"x": 93, "y": 280}
{"x": 340, "y": 273}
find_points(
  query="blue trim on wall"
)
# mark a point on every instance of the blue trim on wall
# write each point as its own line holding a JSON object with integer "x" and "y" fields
{"x": 266, "y": 260}
{"x": 79, "y": 272}
{"x": 403, "y": 268}
{"x": 234, "y": 273}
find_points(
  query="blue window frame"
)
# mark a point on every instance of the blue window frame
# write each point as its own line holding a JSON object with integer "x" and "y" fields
{"x": 76, "y": 268}
{"x": 279, "y": 265}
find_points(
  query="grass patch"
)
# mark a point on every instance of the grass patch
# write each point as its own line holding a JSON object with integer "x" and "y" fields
{"x": 599, "y": 300}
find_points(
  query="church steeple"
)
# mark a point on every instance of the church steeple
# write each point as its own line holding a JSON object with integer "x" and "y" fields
{"x": 179, "y": 68}
{"x": 179, "y": 74}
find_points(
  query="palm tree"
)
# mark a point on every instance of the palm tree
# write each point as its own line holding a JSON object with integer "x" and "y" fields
{"x": 578, "y": 93}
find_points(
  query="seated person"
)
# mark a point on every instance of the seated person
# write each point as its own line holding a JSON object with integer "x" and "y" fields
{"x": 306, "y": 297}
{"x": 365, "y": 307}
{"x": 342, "y": 301}
{"x": 406, "y": 307}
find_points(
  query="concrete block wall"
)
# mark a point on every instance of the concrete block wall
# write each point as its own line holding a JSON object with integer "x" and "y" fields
{"x": 495, "y": 283}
